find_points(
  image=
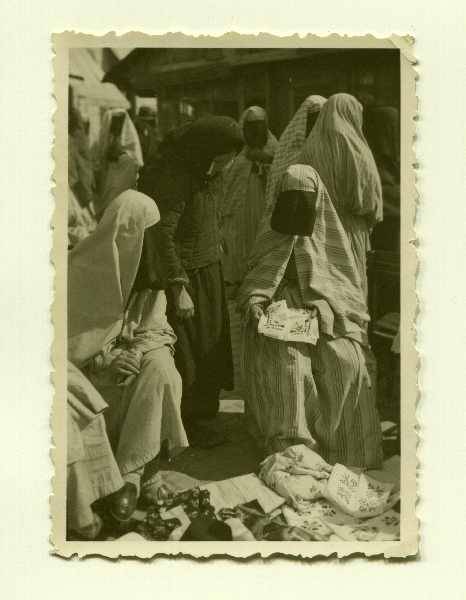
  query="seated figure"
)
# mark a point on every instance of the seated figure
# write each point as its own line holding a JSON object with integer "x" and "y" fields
{"x": 119, "y": 336}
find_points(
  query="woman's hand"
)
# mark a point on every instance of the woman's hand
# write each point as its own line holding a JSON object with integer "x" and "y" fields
{"x": 255, "y": 312}
{"x": 312, "y": 309}
{"x": 183, "y": 303}
{"x": 126, "y": 363}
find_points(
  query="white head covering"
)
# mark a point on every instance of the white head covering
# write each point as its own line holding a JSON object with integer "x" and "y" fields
{"x": 129, "y": 138}
{"x": 101, "y": 272}
{"x": 338, "y": 151}
{"x": 121, "y": 175}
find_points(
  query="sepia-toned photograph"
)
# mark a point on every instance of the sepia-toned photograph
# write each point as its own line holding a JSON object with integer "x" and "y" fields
{"x": 233, "y": 352}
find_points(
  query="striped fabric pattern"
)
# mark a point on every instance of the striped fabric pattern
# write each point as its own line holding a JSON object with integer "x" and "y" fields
{"x": 339, "y": 152}
{"x": 243, "y": 205}
{"x": 290, "y": 147}
{"x": 325, "y": 264}
{"x": 297, "y": 393}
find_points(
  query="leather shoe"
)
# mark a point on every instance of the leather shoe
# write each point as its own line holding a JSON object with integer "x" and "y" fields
{"x": 123, "y": 503}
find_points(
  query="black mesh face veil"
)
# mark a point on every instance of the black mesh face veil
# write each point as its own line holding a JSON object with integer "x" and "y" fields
{"x": 294, "y": 213}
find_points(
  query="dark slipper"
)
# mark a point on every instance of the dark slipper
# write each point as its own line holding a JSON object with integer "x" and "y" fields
{"x": 122, "y": 504}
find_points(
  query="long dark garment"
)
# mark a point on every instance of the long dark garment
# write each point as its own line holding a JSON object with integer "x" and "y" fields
{"x": 189, "y": 244}
{"x": 203, "y": 353}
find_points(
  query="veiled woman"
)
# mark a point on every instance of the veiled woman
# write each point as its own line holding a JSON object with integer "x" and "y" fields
{"x": 290, "y": 146}
{"x": 320, "y": 395}
{"x": 120, "y": 157}
{"x": 244, "y": 196}
{"x": 338, "y": 151}
{"x": 119, "y": 336}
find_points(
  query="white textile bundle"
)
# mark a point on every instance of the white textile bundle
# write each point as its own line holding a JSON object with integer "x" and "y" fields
{"x": 298, "y": 474}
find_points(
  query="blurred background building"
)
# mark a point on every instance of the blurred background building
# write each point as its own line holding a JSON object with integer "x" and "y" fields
{"x": 190, "y": 82}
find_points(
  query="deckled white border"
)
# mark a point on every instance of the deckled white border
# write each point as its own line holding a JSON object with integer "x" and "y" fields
{"x": 408, "y": 544}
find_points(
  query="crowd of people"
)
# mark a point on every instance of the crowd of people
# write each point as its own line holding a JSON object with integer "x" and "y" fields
{"x": 159, "y": 242}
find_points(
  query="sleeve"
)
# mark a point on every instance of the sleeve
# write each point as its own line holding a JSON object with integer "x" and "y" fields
{"x": 173, "y": 205}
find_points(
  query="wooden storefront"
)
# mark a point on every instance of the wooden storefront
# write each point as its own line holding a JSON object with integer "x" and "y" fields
{"x": 191, "y": 81}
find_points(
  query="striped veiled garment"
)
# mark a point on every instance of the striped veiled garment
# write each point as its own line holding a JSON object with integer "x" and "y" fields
{"x": 289, "y": 150}
{"x": 296, "y": 392}
{"x": 338, "y": 151}
{"x": 244, "y": 203}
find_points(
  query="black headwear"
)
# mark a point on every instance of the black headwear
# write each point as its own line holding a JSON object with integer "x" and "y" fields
{"x": 198, "y": 143}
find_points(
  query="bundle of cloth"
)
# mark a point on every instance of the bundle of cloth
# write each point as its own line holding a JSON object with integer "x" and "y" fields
{"x": 301, "y": 476}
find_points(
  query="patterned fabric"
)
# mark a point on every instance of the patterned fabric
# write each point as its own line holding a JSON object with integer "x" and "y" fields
{"x": 338, "y": 151}
{"x": 244, "y": 203}
{"x": 298, "y": 393}
{"x": 290, "y": 146}
{"x": 101, "y": 272}
{"x": 326, "y": 270}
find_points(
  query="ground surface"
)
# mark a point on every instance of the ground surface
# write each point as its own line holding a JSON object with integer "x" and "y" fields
{"x": 237, "y": 457}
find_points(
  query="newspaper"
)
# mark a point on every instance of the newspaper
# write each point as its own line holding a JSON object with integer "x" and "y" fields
{"x": 289, "y": 324}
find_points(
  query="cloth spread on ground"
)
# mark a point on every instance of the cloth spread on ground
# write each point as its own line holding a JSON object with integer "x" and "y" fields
{"x": 253, "y": 511}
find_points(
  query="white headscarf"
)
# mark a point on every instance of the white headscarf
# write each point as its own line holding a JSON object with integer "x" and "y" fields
{"x": 129, "y": 138}
{"x": 338, "y": 151}
{"x": 101, "y": 273}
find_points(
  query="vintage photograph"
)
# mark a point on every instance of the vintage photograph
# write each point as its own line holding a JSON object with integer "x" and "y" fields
{"x": 234, "y": 359}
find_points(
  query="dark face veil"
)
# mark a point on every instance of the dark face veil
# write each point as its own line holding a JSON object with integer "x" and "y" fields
{"x": 150, "y": 274}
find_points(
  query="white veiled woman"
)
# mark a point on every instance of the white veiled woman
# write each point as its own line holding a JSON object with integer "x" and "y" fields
{"x": 118, "y": 335}
{"x": 338, "y": 151}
